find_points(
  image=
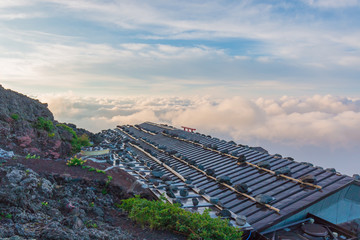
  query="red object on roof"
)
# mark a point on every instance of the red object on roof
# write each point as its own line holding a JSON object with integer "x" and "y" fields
{"x": 188, "y": 129}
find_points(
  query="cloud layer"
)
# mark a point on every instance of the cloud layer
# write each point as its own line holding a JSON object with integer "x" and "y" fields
{"x": 317, "y": 120}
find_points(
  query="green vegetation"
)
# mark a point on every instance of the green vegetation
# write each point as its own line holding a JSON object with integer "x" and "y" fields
{"x": 89, "y": 224}
{"x": 29, "y": 156}
{"x": 44, "y": 204}
{"x": 14, "y": 116}
{"x": 76, "y": 142}
{"x": 51, "y": 134}
{"x": 75, "y": 161}
{"x": 92, "y": 169}
{"x": 110, "y": 178}
{"x": 162, "y": 215}
{"x": 3, "y": 215}
{"x": 100, "y": 171}
{"x": 92, "y": 204}
{"x": 44, "y": 124}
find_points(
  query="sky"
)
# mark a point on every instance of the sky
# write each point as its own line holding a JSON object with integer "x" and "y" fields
{"x": 283, "y": 75}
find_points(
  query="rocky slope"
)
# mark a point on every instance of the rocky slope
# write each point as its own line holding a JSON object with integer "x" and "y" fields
{"x": 46, "y": 199}
{"x": 21, "y": 132}
{"x": 35, "y": 207}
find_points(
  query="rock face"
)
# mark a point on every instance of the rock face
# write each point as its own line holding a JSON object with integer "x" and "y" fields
{"x": 19, "y": 116}
{"x": 50, "y": 207}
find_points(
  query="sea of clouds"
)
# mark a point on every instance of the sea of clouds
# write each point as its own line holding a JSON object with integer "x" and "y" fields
{"x": 315, "y": 127}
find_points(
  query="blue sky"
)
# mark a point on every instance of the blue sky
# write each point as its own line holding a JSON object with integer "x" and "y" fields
{"x": 292, "y": 67}
{"x": 294, "y": 47}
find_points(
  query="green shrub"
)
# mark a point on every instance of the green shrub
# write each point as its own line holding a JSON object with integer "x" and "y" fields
{"x": 84, "y": 140}
{"x": 76, "y": 142}
{"x": 162, "y": 215}
{"x": 75, "y": 161}
{"x": 51, "y": 134}
{"x": 29, "y": 156}
{"x": 44, "y": 124}
{"x": 3, "y": 215}
{"x": 110, "y": 178}
{"x": 89, "y": 224}
{"x": 100, "y": 171}
{"x": 14, "y": 116}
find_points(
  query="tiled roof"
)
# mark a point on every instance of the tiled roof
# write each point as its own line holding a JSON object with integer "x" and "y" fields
{"x": 290, "y": 193}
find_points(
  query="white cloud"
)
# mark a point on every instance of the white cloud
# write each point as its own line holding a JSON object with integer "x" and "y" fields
{"x": 333, "y": 3}
{"x": 277, "y": 35}
{"x": 318, "y": 120}
{"x": 320, "y": 129}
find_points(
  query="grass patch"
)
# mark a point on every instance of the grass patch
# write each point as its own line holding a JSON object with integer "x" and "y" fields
{"x": 165, "y": 216}
{"x": 14, "y": 116}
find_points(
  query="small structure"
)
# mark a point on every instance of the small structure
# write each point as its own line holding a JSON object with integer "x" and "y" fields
{"x": 95, "y": 152}
{"x": 188, "y": 129}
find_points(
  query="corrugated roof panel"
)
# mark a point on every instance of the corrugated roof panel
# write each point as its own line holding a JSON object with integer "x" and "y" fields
{"x": 290, "y": 196}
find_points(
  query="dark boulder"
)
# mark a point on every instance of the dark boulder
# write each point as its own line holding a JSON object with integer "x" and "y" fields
{"x": 184, "y": 192}
{"x": 308, "y": 179}
{"x": 264, "y": 199}
{"x": 284, "y": 171}
{"x": 195, "y": 201}
{"x": 241, "y": 159}
{"x": 210, "y": 172}
{"x": 264, "y": 164}
{"x": 242, "y": 187}
{"x": 224, "y": 179}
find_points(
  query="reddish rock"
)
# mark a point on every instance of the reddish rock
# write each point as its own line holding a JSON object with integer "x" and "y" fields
{"x": 54, "y": 155}
{"x": 32, "y": 150}
{"x": 57, "y": 144}
{"x": 24, "y": 141}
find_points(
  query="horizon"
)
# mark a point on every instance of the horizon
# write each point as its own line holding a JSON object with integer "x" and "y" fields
{"x": 283, "y": 76}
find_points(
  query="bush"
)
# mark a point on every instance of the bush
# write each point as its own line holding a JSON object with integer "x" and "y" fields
{"x": 109, "y": 179}
{"x": 14, "y": 116}
{"x": 84, "y": 140}
{"x": 76, "y": 142}
{"x": 29, "y": 156}
{"x": 100, "y": 171}
{"x": 44, "y": 124}
{"x": 162, "y": 215}
{"x": 75, "y": 161}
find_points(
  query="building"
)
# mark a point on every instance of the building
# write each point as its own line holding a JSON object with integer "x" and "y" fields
{"x": 269, "y": 191}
